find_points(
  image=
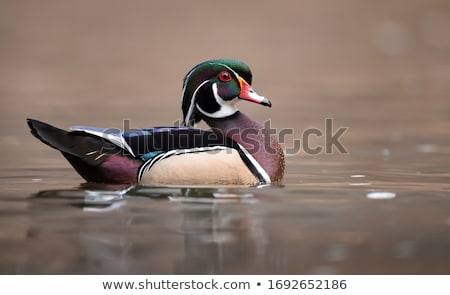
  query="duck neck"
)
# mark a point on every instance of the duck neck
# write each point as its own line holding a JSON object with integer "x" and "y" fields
{"x": 258, "y": 140}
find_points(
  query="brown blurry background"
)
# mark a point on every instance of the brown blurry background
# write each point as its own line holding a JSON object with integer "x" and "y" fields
{"x": 100, "y": 62}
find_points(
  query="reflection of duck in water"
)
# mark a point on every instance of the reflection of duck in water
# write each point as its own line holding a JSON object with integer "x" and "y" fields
{"x": 237, "y": 151}
{"x": 113, "y": 197}
{"x": 116, "y": 231}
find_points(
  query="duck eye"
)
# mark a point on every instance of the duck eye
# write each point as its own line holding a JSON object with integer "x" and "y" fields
{"x": 225, "y": 76}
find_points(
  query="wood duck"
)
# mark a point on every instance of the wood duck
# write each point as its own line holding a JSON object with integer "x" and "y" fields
{"x": 237, "y": 150}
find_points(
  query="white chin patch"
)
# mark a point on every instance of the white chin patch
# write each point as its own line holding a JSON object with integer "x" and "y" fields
{"x": 227, "y": 107}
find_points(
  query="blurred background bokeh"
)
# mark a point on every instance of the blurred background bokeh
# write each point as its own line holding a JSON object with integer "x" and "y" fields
{"x": 100, "y": 62}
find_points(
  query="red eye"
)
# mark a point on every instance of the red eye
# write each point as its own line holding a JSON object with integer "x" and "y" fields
{"x": 225, "y": 76}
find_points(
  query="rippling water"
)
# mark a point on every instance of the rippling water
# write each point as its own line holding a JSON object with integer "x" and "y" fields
{"x": 339, "y": 215}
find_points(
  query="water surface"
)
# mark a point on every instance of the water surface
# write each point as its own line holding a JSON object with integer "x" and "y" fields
{"x": 338, "y": 215}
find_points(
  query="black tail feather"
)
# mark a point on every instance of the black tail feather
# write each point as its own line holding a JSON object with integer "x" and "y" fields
{"x": 84, "y": 151}
{"x": 79, "y": 144}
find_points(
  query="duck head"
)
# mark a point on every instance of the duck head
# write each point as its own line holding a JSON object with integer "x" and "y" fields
{"x": 212, "y": 89}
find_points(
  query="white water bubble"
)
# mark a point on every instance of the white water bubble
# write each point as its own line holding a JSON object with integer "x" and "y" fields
{"x": 381, "y": 195}
{"x": 359, "y": 183}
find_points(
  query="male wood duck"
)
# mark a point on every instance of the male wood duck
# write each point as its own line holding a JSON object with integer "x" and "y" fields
{"x": 237, "y": 150}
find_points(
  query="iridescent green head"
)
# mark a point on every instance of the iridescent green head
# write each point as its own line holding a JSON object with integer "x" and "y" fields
{"x": 212, "y": 88}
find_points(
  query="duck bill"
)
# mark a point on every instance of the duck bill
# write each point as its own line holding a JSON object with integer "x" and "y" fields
{"x": 247, "y": 93}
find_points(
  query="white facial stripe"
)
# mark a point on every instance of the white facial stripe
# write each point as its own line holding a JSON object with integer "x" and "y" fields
{"x": 191, "y": 106}
{"x": 225, "y": 111}
{"x": 188, "y": 76}
{"x": 227, "y": 108}
{"x": 219, "y": 99}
